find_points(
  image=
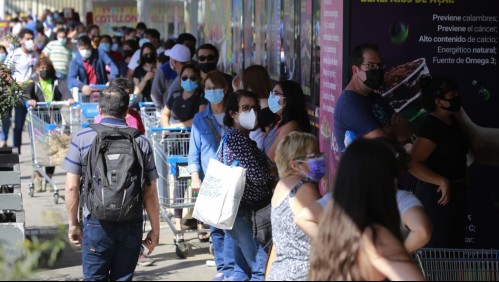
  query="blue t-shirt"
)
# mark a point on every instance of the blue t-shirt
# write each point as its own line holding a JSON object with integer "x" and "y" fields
{"x": 360, "y": 115}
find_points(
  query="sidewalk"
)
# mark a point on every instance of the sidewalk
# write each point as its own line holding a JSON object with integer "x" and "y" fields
{"x": 43, "y": 217}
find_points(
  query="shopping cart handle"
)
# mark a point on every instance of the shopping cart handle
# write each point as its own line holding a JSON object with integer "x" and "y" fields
{"x": 46, "y": 104}
{"x": 170, "y": 129}
{"x": 97, "y": 86}
{"x": 146, "y": 104}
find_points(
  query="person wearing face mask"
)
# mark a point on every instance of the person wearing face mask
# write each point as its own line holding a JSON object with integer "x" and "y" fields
{"x": 207, "y": 56}
{"x": 150, "y": 36}
{"x": 360, "y": 110}
{"x": 206, "y": 133}
{"x": 184, "y": 104}
{"x": 300, "y": 168}
{"x": 59, "y": 53}
{"x": 46, "y": 87}
{"x": 89, "y": 67}
{"x": 439, "y": 162}
{"x": 241, "y": 117}
{"x": 22, "y": 62}
{"x": 144, "y": 73}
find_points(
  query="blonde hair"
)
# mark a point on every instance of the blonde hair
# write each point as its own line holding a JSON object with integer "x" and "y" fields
{"x": 292, "y": 147}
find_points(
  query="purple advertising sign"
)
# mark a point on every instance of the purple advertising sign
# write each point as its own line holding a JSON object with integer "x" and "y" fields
{"x": 331, "y": 52}
{"x": 453, "y": 38}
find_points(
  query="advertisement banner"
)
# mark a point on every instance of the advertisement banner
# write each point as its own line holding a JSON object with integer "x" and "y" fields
{"x": 456, "y": 39}
{"x": 114, "y": 14}
{"x": 331, "y": 54}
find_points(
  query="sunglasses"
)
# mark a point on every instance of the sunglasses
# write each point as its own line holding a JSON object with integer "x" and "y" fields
{"x": 192, "y": 78}
{"x": 206, "y": 58}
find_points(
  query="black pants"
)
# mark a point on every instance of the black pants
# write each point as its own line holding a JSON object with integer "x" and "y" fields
{"x": 449, "y": 222}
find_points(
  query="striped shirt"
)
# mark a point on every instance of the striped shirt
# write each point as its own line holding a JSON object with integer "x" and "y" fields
{"x": 82, "y": 142}
{"x": 60, "y": 55}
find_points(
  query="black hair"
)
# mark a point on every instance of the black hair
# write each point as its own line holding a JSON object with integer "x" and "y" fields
{"x": 61, "y": 29}
{"x": 132, "y": 43}
{"x": 91, "y": 27}
{"x": 232, "y": 105}
{"x": 141, "y": 25}
{"x": 84, "y": 40}
{"x": 186, "y": 37}
{"x": 365, "y": 185}
{"x": 153, "y": 53}
{"x": 169, "y": 43}
{"x": 357, "y": 55}
{"x": 209, "y": 47}
{"x": 434, "y": 87}
{"x": 296, "y": 106}
{"x": 39, "y": 27}
{"x": 113, "y": 101}
{"x": 25, "y": 31}
{"x": 4, "y": 49}
{"x": 194, "y": 67}
{"x": 153, "y": 32}
{"x": 129, "y": 31}
{"x": 122, "y": 82}
{"x": 108, "y": 38}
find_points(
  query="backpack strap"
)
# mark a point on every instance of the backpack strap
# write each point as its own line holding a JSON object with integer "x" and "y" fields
{"x": 212, "y": 127}
{"x": 102, "y": 129}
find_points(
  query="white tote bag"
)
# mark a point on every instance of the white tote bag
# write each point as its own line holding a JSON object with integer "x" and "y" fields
{"x": 220, "y": 195}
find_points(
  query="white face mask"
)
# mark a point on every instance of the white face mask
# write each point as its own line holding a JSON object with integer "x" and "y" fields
{"x": 29, "y": 45}
{"x": 62, "y": 40}
{"x": 86, "y": 53}
{"x": 248, "y": 119}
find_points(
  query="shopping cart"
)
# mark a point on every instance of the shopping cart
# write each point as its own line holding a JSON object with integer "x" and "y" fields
{"x": 51, "y": 126}
{"x": 171, "y": 147}
{"x": 89, "y": 105}
{"x": 458, "y": 264}
{"x": 149, "y": 116}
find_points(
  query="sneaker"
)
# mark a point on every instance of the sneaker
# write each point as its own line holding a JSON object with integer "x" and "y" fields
{"x": 210, "y": 263}
{"x": 145, "y": 261}
{"x": 37, "y": 181}
{"x": 219, "y": 277}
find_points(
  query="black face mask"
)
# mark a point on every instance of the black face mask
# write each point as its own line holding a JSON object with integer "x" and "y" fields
{"x": 207, "y": 67}
{"x": 128, "y": 53}
{"x": 148, "y": 59}
{"x": 455, "y": 104}
{"x": 374, "y": 78}
{"x": 45, "y": 74}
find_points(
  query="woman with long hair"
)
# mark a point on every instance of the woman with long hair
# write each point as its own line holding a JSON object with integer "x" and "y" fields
{"x": 144, "y": 73}
{"x": 359, "y": 234}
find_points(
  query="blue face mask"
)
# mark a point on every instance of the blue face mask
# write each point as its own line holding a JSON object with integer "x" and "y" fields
{"x": 214, "y": 96}
{"x": 189, "y": 85}
{"x": 106, "y": 47}
{"x": 317, "y": 168}
{"x": 3, "y": 56}
{"x": 274, "y": 105}
{"x": 115, "y": 47}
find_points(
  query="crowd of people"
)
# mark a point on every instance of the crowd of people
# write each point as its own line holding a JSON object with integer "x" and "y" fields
{"x": 363, "y": 228}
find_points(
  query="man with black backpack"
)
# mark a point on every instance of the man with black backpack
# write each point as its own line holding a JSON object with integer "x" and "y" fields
{"x": 114, "y": 166}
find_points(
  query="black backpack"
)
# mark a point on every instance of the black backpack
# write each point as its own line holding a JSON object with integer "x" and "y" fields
{"x": 114, "y": 180}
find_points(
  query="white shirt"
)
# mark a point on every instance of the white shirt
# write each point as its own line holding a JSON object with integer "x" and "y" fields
{"x": 23, "y": 64}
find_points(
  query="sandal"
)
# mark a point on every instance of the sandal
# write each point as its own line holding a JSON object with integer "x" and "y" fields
{"x": 203, "y": 237}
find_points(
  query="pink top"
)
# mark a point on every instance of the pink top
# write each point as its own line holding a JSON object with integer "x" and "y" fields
{"x": 132, "y": 119}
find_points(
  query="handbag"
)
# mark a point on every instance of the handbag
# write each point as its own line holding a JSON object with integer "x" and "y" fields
{"x": 262, "y": 226}
{"x": 220, "y": 194}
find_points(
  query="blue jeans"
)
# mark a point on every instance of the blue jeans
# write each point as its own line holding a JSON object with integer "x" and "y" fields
{"x": 253, "y": 253}
{"x": 19, "y": 119}
{"x": 110, "y": 250}
{"x": 223, "y": 248}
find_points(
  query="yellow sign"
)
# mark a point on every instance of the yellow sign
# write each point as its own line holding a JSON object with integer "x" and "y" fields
{"x": 108, "y": 17}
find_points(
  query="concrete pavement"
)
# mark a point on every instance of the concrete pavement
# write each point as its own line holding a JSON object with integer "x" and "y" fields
{"x": 43, "y": 217}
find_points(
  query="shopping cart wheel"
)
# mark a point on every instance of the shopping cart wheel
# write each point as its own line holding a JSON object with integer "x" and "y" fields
{"x": 56, "y": 198}
{"x": 31, "y": 190}
{"x": 181, "y": 249}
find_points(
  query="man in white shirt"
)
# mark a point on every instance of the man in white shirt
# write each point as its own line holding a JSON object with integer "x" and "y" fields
{"x": 22, "y": 61}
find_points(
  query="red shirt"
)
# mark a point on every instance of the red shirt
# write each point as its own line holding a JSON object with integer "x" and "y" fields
{"x": 90, "y": 72}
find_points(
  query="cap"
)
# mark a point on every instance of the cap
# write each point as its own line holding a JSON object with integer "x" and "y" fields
{"x": 179, "y": 53}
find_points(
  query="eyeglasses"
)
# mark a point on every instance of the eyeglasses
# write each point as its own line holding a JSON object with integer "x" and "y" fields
{"x": 208, "y": 58}
{"x": 375, "y": 66}
{"x": 247, "y": 108}
{"x": 274, "y": 93}
{"x": 310, "y": 156}
{"x": 192, "y": 78}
